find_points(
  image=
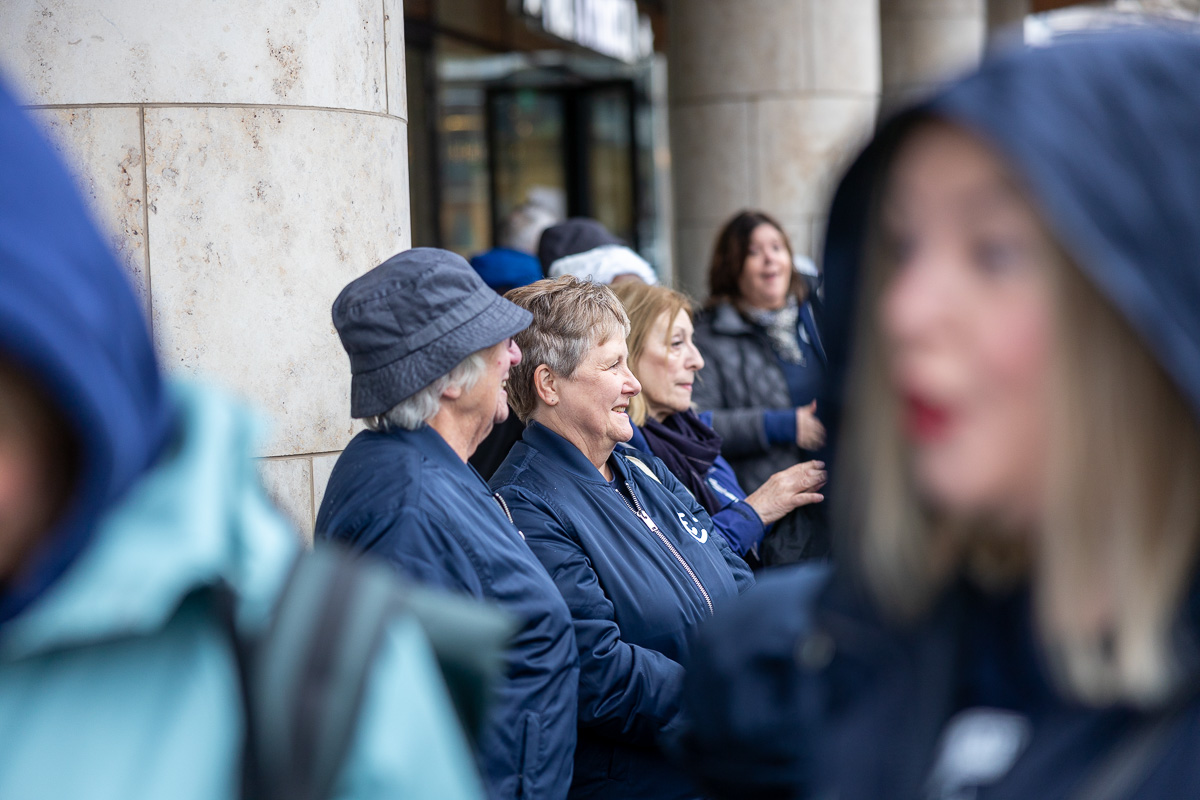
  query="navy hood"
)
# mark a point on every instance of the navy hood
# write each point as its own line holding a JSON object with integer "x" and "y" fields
{"x": 1104, "y": 130}
{"x": 69, "y": 317}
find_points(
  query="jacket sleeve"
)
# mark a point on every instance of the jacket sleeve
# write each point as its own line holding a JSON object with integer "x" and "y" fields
{"x": 626, "y": 692}
{"x": 424, "y": 549}
{"x": 738, "y": 522}
{"x": 743, "y": 577}
{"x": 408, "y": 742}
{"x": 740, "y": 525}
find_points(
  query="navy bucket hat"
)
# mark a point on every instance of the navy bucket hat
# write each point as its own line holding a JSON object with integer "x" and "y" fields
{"x": 411, "y": 320}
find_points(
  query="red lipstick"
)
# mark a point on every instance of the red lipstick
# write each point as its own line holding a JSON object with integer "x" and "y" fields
{"x": 925, "y": 422}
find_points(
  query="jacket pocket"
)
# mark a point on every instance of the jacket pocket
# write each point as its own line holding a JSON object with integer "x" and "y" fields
{"x": 531, "y": 756}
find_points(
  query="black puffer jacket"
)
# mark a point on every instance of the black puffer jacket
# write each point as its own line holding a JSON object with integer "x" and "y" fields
{"x": 741, "y": 379}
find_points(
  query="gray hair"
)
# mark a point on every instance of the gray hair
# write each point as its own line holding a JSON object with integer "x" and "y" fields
{"x": 523, "y": 227}
{"x": 570, "y": 316}
{"x": 417, "y": 409}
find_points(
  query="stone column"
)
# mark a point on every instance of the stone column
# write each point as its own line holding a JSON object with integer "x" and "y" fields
{"x": 767, "y": 100}
{"x": 248, "y": 160}
{"x": 926, "y": 41}
{"x": 1006, "y": 15}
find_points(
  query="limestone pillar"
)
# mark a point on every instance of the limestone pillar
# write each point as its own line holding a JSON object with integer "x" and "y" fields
{"x": 1006, "y": 15}
{"x": 767, "y": 100}
{"x": 248, "y": 159}
{"x": 927, "y": 41}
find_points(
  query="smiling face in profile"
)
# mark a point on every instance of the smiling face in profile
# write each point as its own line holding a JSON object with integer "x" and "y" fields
{"x": 590, "y": 407}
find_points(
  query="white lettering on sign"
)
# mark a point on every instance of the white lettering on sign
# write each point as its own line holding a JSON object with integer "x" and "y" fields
{"x": 613, "y": 28}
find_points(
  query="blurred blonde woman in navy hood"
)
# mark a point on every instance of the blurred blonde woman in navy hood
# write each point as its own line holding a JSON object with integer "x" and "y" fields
{"x": 1016, "y": 612}
{"x": 126, "y": 502}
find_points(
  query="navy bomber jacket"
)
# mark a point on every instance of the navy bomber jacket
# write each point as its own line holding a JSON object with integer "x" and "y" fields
{"x": 406, "y": 497}
{"x": 638, "y": 570}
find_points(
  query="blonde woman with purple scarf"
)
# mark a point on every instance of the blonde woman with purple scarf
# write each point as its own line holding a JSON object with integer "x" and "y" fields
{"x": 665, "y": 361}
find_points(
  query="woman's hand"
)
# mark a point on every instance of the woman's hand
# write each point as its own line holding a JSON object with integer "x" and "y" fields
{"x": 788, "y": 489}
{"x": 810, "y": 433}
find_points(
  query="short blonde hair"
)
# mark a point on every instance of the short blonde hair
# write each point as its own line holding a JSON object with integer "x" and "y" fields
{"x": 570, "y": 317}
{"x": 1122, "y": 524}
{"x": 645, "y": 304}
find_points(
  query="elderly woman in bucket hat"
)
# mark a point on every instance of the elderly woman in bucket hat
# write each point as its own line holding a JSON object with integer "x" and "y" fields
{"x": 430, "y": 349}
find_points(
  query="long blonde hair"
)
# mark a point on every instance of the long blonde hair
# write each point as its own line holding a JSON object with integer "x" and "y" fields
{"x": 645, "y": 304}
{"x": 1121, "y": 527}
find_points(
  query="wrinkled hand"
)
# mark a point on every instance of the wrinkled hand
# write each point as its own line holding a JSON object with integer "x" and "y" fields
{"x": 810, "y": 433}
{"x": 788, "y": 489}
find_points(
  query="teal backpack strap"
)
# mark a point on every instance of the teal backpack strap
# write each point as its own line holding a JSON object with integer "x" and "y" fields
{"x": 310, "y": 671}
{"x": 302, "y": 681}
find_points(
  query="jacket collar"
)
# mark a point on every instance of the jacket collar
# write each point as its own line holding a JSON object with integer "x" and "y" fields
{"x": 638, "y": 440}
{"x": 429, "y": 443}
{"x": 564, "y": 454}
{"x": 433, "y": 448}
{"x": 726, "y": 320}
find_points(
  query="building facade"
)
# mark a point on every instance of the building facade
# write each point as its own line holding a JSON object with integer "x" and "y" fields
{"x": 249, "y": 160}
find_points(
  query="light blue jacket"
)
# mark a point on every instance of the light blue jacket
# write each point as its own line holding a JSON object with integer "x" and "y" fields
{"x": 118, "y": 681}
{"x": 117, "y": 677}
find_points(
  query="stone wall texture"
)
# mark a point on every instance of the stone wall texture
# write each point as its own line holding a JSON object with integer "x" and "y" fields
{"x": 924, "y": 42}
{"x": 247, "y": 160}
{"x": 768, "y": 98}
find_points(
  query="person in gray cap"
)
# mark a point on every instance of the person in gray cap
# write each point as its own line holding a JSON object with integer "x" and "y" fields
{"x": 430, "y": 349}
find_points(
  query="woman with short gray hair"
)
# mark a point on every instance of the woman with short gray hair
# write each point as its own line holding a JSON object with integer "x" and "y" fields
{"x": 632, "y": 552}
{"x": 430, "y": 348}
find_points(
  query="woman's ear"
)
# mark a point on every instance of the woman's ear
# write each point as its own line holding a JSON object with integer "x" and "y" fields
{"x": 452, "y": 392}
{"x": 545, "y": 383}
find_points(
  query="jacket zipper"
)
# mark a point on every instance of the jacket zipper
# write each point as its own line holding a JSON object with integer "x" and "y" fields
{"x": 641, "y": 514}
{"x": 504, "y": 507}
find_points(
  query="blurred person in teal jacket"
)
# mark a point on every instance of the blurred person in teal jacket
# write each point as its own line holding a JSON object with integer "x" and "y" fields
{"x": 123, "y": 501}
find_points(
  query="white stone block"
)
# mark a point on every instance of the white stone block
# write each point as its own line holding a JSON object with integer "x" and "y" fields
{"x": 722, "y": 48}
{"x": 922, "y": 52}
{"x": 322, "y": 468}
{"x": 803, "y": 146}
{"x": 845, "y": 46}
{"x": 323, "y": 53}
{"x": 103, "y": 149}
{"x": 711, "y": 160}
{"x": 693, "y": 254}
{"x": 393, "y": 33}
{"x": 799, "y": 234}
{"x": 819, "y": 223}
{"x": 932, "y": 9}
{"x": 288, "y": 482}
{"x": 257, "y": 219}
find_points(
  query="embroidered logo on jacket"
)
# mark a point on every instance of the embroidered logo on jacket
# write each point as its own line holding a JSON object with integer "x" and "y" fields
{"x": 699, "y": 534}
